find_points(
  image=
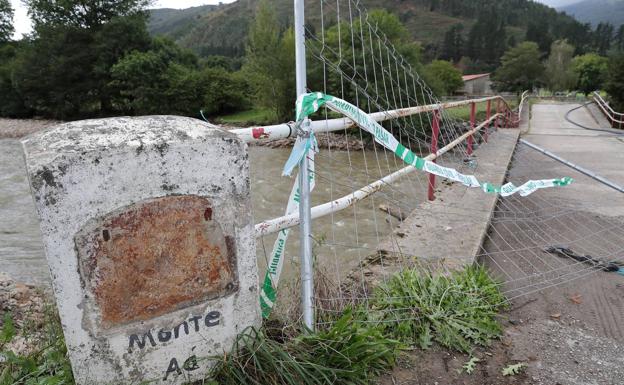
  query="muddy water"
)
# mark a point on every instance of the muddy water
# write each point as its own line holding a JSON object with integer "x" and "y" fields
{"x": 343, "y": 238}
{"x": 21, "y": 250}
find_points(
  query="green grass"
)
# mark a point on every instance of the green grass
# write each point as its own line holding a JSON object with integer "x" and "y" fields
{"x": 249, "y": 117}
{"x": 47, "y": 365}
{"x": 463, "y": 113}
{"x": 348, "y": 352}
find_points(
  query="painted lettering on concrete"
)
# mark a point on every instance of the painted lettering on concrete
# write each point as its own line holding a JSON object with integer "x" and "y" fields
{"x": 186, "y": 327}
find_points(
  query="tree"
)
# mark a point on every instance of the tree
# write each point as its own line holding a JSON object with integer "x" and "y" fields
{"x": 521, "y": 68}
{"x": 6, "y": 21}
{"x": 590, "y": 70}
{"x": 11, "y": 101}
{"x": 487, "y": 39}
{"x": 615, "y": 81}
{"x": 603, "y": 37}
{"x": 453, "y": 44}
{"x": 141, "y": 81}
{"x": 449, "y": 76}
{"x": 82, "y": 14}
{"x": 270, "y": 63}
{"x": 53, "y": 73}
{"x": 64, "y": 71}
{"x": 559, "y": 75}
{"x": 619, "y": 38}
{"x": 537, "y": 32}
{"x": 166, "y": 79}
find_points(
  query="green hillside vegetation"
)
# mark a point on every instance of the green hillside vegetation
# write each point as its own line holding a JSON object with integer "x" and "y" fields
{"x": 99, "y": 59}
{"x": 224, "y": 30}
{"x": 176, "y": 22}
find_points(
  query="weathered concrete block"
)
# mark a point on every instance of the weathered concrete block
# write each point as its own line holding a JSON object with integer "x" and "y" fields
{"x": 149, "y": 237}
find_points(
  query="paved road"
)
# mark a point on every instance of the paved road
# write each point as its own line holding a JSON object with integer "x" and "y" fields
{"x": 567, "y": 320}
{"x": 598, "y": 151}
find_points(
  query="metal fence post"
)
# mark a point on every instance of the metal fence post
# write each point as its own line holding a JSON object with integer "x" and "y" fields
{"x": 435, "y": 132}
{"x": 307, "y": 279}
{"x": 487, "y": 118}
{"x": 473, "y": 111}
{"x": 498, "y": 111}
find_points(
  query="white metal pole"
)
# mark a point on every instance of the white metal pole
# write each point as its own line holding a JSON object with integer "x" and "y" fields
{"x": 307, "y": 280}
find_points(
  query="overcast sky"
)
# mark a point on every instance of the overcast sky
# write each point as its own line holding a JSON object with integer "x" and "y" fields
{"x": 23, "y": 25}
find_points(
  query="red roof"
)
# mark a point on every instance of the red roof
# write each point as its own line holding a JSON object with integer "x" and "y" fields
{"x": 467, "y": 78}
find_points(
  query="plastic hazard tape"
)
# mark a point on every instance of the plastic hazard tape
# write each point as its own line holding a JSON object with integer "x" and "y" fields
{"x": 308, "y": 104}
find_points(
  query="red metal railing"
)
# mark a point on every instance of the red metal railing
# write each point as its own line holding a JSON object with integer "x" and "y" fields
{"x": 504, "y": 117}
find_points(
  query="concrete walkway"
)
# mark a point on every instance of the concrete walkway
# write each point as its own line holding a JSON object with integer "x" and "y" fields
{"x": 567, "y": 319}
{"x": 453, "y": 226}
{"x": 597, "y": 151}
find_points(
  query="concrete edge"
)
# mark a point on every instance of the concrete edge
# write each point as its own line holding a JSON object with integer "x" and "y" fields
{"x": 495, "y": 202}
{"x": 377, "y": 267}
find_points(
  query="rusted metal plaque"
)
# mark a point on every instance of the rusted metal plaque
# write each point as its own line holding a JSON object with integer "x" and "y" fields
{"x": 155, "y": 257}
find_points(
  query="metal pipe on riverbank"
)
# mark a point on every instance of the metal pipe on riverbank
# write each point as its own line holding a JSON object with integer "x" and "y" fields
{"x": 274, "y": 225}
{"x": 287, "y": 130}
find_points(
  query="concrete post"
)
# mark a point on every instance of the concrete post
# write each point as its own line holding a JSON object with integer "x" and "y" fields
{"x": 150, "y": 241}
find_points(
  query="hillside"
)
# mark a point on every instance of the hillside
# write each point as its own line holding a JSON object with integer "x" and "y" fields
{"x": 222, "y": 30}
{"x": 596, "y": 11}
{"x": 176, "y": 22}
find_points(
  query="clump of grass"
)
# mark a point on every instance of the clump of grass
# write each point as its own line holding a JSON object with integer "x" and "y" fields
{"x": 48, "y": 364}
{"x": 457, "y": 311}
{"x": 348, "y": 352}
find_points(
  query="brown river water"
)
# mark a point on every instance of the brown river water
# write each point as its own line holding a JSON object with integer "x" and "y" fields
{"x": 343, "y": 238}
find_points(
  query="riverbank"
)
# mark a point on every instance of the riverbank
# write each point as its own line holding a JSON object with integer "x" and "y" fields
{"x": 25, "y": 305}
{"x": 18, "y": 128}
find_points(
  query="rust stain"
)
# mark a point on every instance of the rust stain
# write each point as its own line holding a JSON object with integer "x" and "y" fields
{"x": 156, "y": 257}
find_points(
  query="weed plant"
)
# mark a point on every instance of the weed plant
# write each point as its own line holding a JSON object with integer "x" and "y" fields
{"x": 48, "y": 365}
{"x": 457, "y": 311}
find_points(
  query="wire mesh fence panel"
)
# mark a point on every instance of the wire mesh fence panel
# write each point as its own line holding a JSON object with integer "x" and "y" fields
{"x": 366, "y": 59}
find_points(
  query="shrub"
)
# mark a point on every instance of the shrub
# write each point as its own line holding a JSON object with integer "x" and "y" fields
{"x": 456, "y": 311}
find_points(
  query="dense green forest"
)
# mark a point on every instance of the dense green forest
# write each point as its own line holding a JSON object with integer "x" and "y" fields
{"x": 486, "y": 27}
{"x": 111, "y": 57}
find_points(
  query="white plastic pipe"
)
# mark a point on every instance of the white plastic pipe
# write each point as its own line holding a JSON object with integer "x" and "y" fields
{"x": 286, "y": 130}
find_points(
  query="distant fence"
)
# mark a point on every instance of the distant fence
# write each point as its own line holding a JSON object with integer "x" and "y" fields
{"x": 616, "y": 119}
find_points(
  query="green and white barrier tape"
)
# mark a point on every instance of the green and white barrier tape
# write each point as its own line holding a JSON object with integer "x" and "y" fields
{"x": 268, "y": 292}
{"x": 308, "y": 104}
